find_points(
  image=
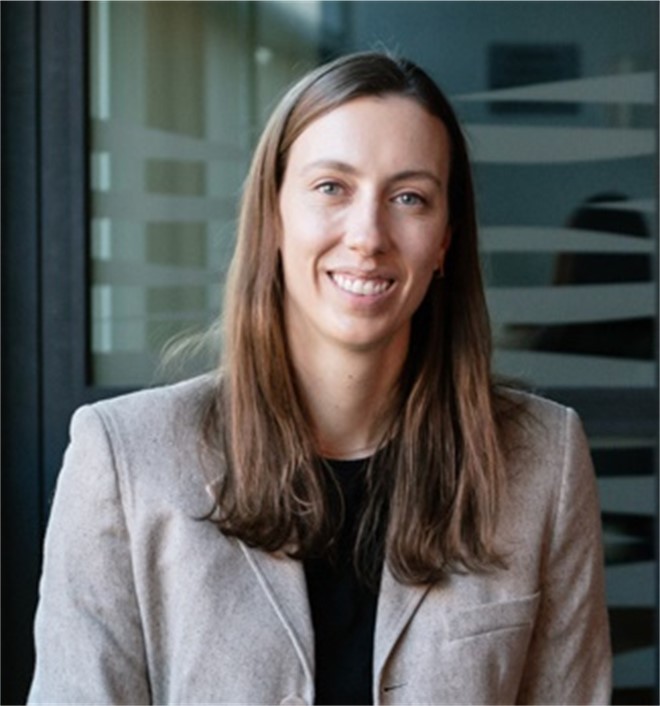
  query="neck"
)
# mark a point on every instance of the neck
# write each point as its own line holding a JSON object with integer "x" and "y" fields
{"x": 348, "y": 394}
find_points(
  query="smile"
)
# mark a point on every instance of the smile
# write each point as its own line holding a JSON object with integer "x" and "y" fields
{"x": 360, "y": 285}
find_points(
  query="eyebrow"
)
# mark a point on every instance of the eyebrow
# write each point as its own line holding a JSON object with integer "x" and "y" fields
{"x": 349, "y": 169}
{"x": 418, "y": 174}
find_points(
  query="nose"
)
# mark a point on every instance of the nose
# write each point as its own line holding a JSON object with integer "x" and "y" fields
{"x": 366, "y": 227}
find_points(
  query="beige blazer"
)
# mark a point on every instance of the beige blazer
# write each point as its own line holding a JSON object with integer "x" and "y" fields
{"x": 141, "y": 602}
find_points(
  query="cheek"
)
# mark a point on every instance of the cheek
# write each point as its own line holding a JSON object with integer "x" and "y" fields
{"x": 299, "y": 249}
{"x": 309, "y": 232}
{"x": 424, "y": 253}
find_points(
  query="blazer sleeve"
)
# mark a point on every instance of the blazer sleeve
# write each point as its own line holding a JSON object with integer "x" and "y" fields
{"x": 89, "y": 643}
{"x": 569, "y": 659}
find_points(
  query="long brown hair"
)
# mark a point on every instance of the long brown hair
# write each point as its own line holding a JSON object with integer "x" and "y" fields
{"x": 434, "y": 495}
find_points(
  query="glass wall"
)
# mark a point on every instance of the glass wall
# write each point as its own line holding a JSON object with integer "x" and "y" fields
{"x": 178, "y": 92}
{"x": 559, "y": 103}
{"x": 560, "y": 107}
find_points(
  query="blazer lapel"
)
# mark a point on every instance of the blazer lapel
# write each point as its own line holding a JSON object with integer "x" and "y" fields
{"x": 283, "y": 581}
{"x": 397, "y": 604}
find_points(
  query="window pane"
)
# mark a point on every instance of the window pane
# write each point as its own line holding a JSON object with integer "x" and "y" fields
{"x": 178, "y": 92}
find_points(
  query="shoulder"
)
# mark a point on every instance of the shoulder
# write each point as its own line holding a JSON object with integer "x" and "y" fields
{"x": 536, "y": 420}
{"x": 150, "y": 440}
{"x": 152, "y": 412}
{"x": 544, "y": 442}
{"x": 535, "y": 405}
{"x": 151, "y": 404}
{"x": 551, "y": 486}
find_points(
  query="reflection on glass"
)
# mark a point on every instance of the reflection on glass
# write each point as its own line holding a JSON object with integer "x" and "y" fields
{"x": 177, "y": 90}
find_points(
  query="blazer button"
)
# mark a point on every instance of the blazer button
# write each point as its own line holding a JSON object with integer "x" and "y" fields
{"x": 293, "y": 700}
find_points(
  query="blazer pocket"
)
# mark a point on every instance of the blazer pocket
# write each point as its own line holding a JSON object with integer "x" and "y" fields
{"x": 492, "y": 617}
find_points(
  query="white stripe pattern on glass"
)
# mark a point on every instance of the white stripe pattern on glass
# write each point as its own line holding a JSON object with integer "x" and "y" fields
{"x": 523, "y": 144}
{"x": 545, "y": 239}
{"x": 634, "y": 88}
{"x": 566, "y": 370}
{"x": 124, "y": 272}
{"x": 571, "y": 303}
{"x": 141, "y": 142}
{"x": 127, "y": 206}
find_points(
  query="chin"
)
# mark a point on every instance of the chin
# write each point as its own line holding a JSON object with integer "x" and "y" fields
{"x": 362, "y": 342}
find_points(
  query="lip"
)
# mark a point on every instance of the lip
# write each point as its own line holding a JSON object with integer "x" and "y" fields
{"x": 368, "y": 286}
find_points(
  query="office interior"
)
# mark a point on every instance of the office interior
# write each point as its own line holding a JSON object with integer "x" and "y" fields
{"x": 127, "y": 129}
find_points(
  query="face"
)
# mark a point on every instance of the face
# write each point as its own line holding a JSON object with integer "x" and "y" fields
{"x": 364, "y": 223}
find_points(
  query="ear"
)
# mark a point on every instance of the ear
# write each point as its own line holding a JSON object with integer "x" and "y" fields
{"x": 277, "y": 225}
{"x": 440, "y": 262}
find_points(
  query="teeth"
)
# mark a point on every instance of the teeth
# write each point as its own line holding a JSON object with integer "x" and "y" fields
{"x": 363, "y": 287}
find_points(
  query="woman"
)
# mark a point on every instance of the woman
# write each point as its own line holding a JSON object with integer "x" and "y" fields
{"x": 385, "y": 525}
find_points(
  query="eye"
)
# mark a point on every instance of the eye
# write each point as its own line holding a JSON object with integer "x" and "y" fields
{"x": 410, "y": 198}
{"x": 329, "y": 188}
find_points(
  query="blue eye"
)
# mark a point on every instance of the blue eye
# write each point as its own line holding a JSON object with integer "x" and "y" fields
{"x": 330, "y": 188}
{"x": 410, "y": 198}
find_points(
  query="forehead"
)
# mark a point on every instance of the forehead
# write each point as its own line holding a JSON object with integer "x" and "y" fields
{"x": 375, "y": 130}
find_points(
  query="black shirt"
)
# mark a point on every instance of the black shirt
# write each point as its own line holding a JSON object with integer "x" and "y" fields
{"x": 343, "y": 607}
